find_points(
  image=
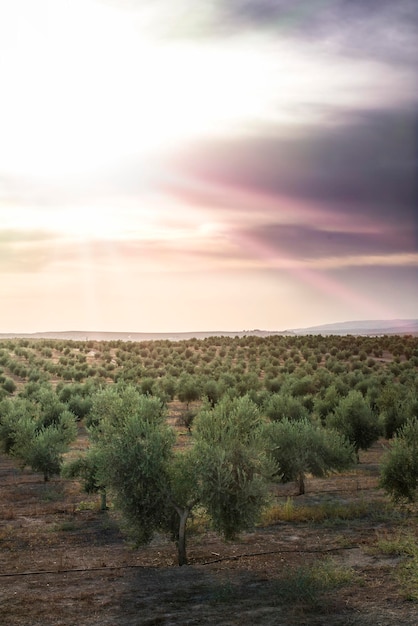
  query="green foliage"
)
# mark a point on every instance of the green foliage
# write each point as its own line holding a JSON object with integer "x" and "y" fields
{"x": 187, "y": 417}
{"x": 396, "y": 406}
{"x": 231, "y": 467}
{"x": 46, "y": 403}
{"x": 399, "y": 470}
{"x": 188, "y": 389}
{"x": 314, "y": 376}
{"x": 224, "y": 471}
{"x": 113, "y": 405}
{"x": 147, "y": 386}
{"x": 134, "y": 447}
{"x": 11, "y": 412}
{"x": 212, "y": 391}
{"x": 184, "y": 489}
{"x": 80, "y": 406}
{"x": 86, "y": 468}
{"x": 279, "y": 406}
{"x": 41, "y": 449}
{"x": 303, "y": 386}
{"x": 354, "y": 419}
{"x": 166, "y": 387}
{"x": 28, "y": 433}
{"x": 326, "y": 402}
{"x": 9, "y": 385}
{"x": 299, "y": 447}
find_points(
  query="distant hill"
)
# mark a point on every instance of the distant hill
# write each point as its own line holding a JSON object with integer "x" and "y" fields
{"x": 363, "y": 327}
{"x": 78, "y": 335}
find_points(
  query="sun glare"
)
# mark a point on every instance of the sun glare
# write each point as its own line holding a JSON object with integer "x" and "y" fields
{"x": 93, "y": 88}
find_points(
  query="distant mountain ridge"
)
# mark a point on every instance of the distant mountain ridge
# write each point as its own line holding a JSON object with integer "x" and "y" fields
{"x": 364, "y": 327}
{"x": 77, "y": 335}
{"x": 359, "y": 327}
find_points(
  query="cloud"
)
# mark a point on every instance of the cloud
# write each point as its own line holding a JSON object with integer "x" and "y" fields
{"x": 23, "y": 236}
{"x": 24, "y": 251}
{"x": 380, "y": 29}
{"x": 308, "y": 243}
{"x": 364, "y": 166}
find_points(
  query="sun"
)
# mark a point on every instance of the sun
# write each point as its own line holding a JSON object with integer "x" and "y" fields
{"x": 88, "y": 86}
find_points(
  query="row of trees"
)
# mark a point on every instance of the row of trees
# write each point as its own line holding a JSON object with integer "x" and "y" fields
{"x": 233, "y": 456}
{"x": 352, "y": 414}
{"x": 360, "y": 418}
{"x": 37, "y": 431}
{"x": 247, "y": 363}
{"x": 250, "y": 429}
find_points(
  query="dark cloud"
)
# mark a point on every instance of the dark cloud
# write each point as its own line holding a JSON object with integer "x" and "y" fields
{"x": 376, "y": 28}
{"x": 384, "y": 29}
{"x": 320, "y": 15}
{"x": 394, "y": 287}
{"x": 306, "y": 243}
{"x": 367, "y": 165}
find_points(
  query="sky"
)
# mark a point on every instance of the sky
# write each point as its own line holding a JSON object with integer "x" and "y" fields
{"x": 194, "y": 166}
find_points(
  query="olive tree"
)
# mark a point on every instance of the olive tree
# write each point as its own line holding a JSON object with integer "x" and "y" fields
{"x": 354, "y": 418}
{"x": 11, "y": 412}
{"x": 299, "y": 447}
{"x": 42, "y": 448}
{"x": 396, "y": 404}
{"x": 152, "y": 481}
{"x": 133, "y": 447}
{"x": 86, "y": 468}
{"x": 232, "y": 467}
{"x": 188, "y": 389}
{"x": 37, "y": 444}
{"x": 399, "y": 470}
{"x": 278, "y": 406}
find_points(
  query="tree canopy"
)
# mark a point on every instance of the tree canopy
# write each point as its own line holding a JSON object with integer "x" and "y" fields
{"x": 300, "y": 447}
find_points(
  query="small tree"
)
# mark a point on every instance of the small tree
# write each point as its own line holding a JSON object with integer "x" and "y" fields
{"x": 299, "y": 447}
{"x": 212, "y": 391}
{"x": 43, "y": 451}
{"x": 151, "y": 481}
{"x": 9, "y": 385}
{"x": 326, "y": 403}
{"x": 134, "y": 446}
{"x": 354, "y": 419}
{"x": 396, "y": 406}
{"x": 184, "y": 495}
{"x": 25, "y": 435}
{"x": 188, "y": 389}
{"x": 231, "y": 465}
{"x": 11, "y": 412}
{"x": 280, "y": 406}
{"x": 86, "y": 468}
{"x": 399, "y": 470}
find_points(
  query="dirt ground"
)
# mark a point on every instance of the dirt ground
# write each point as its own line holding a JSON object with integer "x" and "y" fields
{"x": 64, "y": 563}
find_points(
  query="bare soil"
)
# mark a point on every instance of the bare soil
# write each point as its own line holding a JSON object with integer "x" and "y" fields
{"x": 64, "y": 562}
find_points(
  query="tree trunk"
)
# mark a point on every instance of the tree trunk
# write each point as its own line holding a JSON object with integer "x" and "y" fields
{"x": 103, "y": 502}
{"x": 181, "y": 544}
{"x": 301, "y": 482}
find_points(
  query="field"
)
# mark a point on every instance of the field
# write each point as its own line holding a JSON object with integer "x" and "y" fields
{"x": 64, "y": 562}
{"x": 340, "y": 554}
